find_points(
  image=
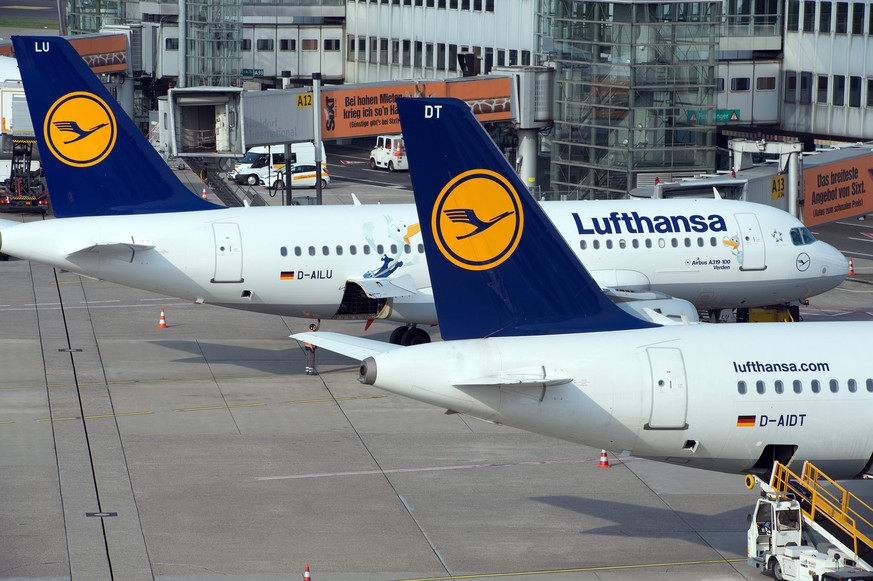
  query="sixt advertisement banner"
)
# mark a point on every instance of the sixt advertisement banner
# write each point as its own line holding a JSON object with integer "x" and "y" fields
{"x": 373, "y": 110}
{"x": 838, "y": 190}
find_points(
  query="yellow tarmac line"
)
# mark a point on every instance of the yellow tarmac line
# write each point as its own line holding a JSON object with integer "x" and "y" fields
{"x": 222, "y": 407}
{"x": 578, "y": 570}
{"x": 7, "y": 422}
{"x": 95, "y": 417}
{"x": 28, "y": 7}
{"x": 329, "y": 400}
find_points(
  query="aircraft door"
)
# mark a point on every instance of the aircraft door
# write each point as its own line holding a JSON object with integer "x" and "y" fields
{"x": 669, "y": 390}
{"x": 751, "y": 253}
{"x": 228, "y": 253}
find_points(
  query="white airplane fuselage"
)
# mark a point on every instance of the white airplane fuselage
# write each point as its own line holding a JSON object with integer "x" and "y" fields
{"x": 297, "y": 261}
{"x": 712, "y": 397}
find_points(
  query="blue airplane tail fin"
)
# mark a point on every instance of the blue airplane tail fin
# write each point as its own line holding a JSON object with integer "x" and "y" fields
{"x": 95, "y": 159}
{"x": 498, "y": 266}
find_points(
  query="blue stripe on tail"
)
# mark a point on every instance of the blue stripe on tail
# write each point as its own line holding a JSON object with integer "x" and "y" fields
{"x": 96, "y": 161}
{"x": 497, "y": 264}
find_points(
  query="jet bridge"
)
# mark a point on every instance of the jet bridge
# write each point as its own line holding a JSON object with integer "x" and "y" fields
{"x": 827, "y": 508}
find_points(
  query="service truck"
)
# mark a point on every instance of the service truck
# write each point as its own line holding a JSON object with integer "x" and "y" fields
{"x": 785, "y": 540}
{"x": 389, "y": 153}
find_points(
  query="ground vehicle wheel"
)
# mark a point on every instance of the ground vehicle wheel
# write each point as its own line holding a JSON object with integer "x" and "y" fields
{"x": 397, "y": 335}
{"x": 252, "y": 180}
{"x": 277, "y": 185}
{"x": 415, "y": 337}
{"x": 390, "y": 166}
{"x": 372, "y": 163}
{"x": 776, "y": 569}
{"x": 323, "y": 184}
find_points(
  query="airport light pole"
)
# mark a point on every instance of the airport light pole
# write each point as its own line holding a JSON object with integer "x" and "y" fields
{"x": 316, "y": 128}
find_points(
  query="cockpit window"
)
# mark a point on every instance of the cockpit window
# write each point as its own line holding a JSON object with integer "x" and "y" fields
{"x": 801, "y": 236}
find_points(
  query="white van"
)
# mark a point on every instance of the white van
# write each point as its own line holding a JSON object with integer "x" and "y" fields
{"x": 390, "y": 153}
{"x": 260, "y": 165}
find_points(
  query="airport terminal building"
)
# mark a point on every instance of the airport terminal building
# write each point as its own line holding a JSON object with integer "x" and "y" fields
{"x": 642, "y": 90}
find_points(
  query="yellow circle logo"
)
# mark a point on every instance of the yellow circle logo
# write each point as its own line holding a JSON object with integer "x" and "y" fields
{"x": 80, "y": 129}
{"x": 477, "y": 220}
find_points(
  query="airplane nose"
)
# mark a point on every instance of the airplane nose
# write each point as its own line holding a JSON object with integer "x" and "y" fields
{"x": 833, "y": 264}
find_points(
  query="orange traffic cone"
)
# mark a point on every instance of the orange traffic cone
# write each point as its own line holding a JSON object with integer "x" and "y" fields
{"x": 203, "y": 195}
{"x": 162, "y": 322}
{"x": 306, "y": 573}
{"x": 604, "y": 461}
{"x": 851, "y": 267}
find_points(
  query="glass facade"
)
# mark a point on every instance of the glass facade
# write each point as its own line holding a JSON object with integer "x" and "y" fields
{"x": 214, "y": 30}
{"x": 634, "y": 92}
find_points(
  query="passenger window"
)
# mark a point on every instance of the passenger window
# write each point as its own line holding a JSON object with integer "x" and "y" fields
{"x": 798, "y": 386}
{"x": 870, "y": 385}
{"x": 583, "y": 244}
{"x": 339, "y": 250}
{"x": 635, "y": 243}
{"x": 312, "y": 251}
{"x": 713, "y": 242}
{"x": 380, "y": 249}
{"x": 815, "y": 385}
{"x": 366, "y": 248}
{"x": 700, "y": 242}
{"x": 688, "y": 243}
{"x": 853, "y": 386}
{"x": 648, "y": 242}
{"x": 421, "y": 248}
{"x": 609, "y": 244}
{"x": 407, "y": 248}
{"x": 393, "y": 249}
{"x": 674, "y": 242}
{"x": 283, "y": 251}
{"x": 325, "y": 250}
{"x": 778, "y": 387}
{"x": 661, "y": 243}
{"x": 298, "y": 251}
{"x": 741, "y": 387}
{"x": 595, "y": 244}
{"x": 353, "y": 249}
{"x": 622, "y": 243}
{"x": 834, "y": 385}
{"x": 759, "y": 386}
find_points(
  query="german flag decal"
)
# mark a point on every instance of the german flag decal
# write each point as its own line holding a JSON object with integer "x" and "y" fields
{"x": 745, "y": 421}
{"x": 286, "y": 275}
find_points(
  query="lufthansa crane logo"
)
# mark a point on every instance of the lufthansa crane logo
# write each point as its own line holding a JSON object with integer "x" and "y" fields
{"x": 80, "y": 129}
{"x": 477, "y": 220}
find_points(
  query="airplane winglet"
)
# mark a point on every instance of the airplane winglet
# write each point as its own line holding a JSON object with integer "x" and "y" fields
{"x": 97, "y": 162}
{"x": 498, "y": 266}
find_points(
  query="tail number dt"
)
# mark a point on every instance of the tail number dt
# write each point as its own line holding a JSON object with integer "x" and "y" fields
{"x": 431, "y": 111}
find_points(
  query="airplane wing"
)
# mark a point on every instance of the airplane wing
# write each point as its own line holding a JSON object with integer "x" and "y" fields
{"x": 118, "y": 250}
{"x": 385, "y": 288}
{"x": 354, "y": 347}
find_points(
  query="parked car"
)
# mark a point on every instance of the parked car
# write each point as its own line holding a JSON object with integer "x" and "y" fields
{"x": 302, "y": 176}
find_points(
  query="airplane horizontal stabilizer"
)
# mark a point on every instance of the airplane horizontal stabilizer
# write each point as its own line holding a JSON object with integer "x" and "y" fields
{"x": 354, "y": 347}
{"x": 119, "y": 250}
{"x": 385, "y": 288}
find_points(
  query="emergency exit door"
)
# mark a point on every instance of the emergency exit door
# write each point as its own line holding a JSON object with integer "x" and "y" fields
{"x": 752, "y": 254}
{"x": 669, "y": 390}
{"x": 228, "y": 253}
